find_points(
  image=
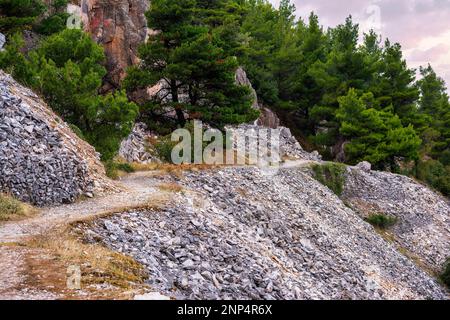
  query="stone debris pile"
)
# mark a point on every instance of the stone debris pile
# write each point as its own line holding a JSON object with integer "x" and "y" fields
{"x": 41, "y": 160}
{"x": 136, "y": 148}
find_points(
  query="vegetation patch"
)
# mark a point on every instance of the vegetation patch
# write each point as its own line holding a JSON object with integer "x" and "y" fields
{"x": 98, "y": 264}
{"x": 171, "y": 187}
{"x": 445, "y": 276}
{"x": 13, "y": 209}
{"x": 435, "y": 174}
{"x": 381, "y": 221}
{"x": 115, "y": 169}
{"x": 330, "y": 175}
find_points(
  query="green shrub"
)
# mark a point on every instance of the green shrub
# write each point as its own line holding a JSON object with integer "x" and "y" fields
{"x": 113, "y": 168}
{"x": 331, "y": 175}
{"x": 445, "y": 276}
{"x": 381, "y": 221}
{"x": 164, "y": 148}
{"x": 435, "y": 174}
{"x": 11, "y": 208}
{"x": 165, "y": 145}
{"x": 53, "y": 24}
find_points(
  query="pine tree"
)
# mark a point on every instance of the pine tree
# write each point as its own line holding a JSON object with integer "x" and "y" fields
{"x": 259, "y": 24}
{"x": 344, "y": 68}
{"x": 197, "y": 74}
{"x": 306, "y": 93}
{"x": 67, "y": 70}
{"x": 375, "y": 136}
{"x": 395, "y": 88}
{"x": 434, "y": 103}
{"x": 16, "y": 15}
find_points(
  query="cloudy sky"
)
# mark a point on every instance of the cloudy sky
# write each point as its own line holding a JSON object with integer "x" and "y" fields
{"x": 422, "y": 27}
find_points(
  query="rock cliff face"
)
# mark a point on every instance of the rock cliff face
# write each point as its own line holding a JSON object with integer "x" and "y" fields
{"x": 120, "y": 26}
{"x": 268, "y": 118}
{"x": 242, "y": 234}
{"x": 41, "y": 160}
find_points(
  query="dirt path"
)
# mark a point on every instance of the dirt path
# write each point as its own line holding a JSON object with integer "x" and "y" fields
{"x": 138, "y": 190}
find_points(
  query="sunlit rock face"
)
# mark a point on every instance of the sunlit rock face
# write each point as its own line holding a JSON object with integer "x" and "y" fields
{"x": 120, "y": 26}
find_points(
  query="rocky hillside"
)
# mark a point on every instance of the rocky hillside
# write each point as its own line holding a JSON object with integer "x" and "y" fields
{"x": 242, "y": 234}
{"x": 423, "y": 217}
{"x": 41, "y": 160}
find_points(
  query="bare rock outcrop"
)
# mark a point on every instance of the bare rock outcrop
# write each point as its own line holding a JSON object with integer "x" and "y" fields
{"x": 423, "y": 216}
{"x": 268, "y": 118}
{"x": 41, "y": 160}
{"x": 243, "y": 80}
{"x": 120, "y": 26}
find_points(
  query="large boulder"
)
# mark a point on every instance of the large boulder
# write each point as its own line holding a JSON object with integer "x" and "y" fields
{"x": 41, "y": 160}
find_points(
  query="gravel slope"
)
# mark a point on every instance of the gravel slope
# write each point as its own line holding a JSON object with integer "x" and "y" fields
{"x": 238, "y": 233}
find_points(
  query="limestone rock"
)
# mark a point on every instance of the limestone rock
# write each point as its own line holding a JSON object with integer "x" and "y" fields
{"x": 364, "y": 166}
{"x": 268, "y": 118}
{"x": 136, "y": 147}
{"x": 41, "y": 160}
{"x": 242, "y": 80}
{"x": 2, "y": 40}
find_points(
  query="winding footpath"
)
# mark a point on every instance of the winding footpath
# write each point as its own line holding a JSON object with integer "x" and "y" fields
{"x": 138, "y": 189}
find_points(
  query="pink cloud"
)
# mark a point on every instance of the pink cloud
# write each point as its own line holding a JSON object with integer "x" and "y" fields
{"x": 409, "y": 22}
{"x": 429, "y": 55}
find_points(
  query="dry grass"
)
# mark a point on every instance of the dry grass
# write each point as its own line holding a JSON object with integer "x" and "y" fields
{"x": 171, "y": 187}
{"x": 168, "y": 167}
{"x": 98, "y": 264}
{"x": 105, "y": 274}
{"x": 155, "y": 202}
{"x": 12, "y": 209}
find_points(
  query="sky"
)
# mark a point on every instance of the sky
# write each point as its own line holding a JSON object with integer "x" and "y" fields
{"x": 422, "y": 27}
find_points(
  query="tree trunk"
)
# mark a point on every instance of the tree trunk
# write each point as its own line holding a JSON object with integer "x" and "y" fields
{"x": 175, "y": 100}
